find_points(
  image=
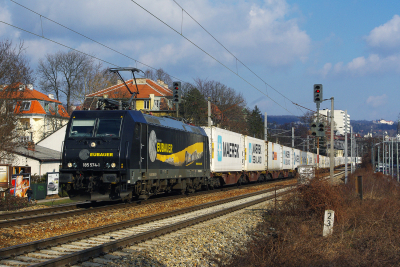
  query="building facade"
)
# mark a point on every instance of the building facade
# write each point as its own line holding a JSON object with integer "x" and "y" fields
{"x": 151, "y": 96}
{"x": 38, "y": 114}
{"x": 339, "y": 119}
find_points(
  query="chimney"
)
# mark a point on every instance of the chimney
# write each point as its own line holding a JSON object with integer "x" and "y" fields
{"x": 21, "y": 87}
{"x": 119, "y": 81}
{"x": 30, "y": 86}
{"x": 51, "y": 96}
{"x": 31, "y": 146}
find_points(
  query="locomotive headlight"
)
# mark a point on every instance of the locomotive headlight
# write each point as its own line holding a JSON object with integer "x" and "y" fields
{"x": 69, "y": 165}
{"x": 107, "y": 165}
{"x": 93, "y": 144}
{"x": 75, "y": 165}
{"x": 113, "y": 165}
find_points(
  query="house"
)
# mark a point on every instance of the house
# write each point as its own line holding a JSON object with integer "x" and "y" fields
{"x": 152, "y": 96}
{"x": 39, "y": 114}
{"x": 41, "y": 160}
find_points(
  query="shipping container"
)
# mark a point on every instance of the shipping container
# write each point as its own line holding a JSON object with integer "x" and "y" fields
{"x": 274, "y": 157}
{"x": 227, "y": 152}
{"x": 296, "y": 158}
{"x": 254, "y": 154}
{"x": 287, "y": 158}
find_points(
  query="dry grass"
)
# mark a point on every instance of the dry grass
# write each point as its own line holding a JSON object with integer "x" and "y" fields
{"x": 366, "y": 233}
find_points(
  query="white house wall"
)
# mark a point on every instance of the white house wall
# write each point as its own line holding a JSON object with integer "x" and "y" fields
{"x": 36, "y": 167}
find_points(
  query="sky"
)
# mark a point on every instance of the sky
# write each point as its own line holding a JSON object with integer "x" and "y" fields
{"x": 271, "y": 51}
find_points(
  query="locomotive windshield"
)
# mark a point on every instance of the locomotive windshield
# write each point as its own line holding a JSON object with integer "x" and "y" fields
{"x": 108, "y": 127}
{"x": 82, "y": 128}
{"x": 95, "y": 127}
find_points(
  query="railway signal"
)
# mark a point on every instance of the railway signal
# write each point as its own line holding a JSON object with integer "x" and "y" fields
{"x": 321, "y": 129}
{"x": 314, "y": 129}
{"x": 317, "y": 93}
{"x": 177, "y": 91}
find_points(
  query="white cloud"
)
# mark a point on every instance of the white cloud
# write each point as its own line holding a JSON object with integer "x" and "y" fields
{"x": 377, "y": 101}
{"x": 384, "y": 40}
{"x": 268, "y": 38}
{"x": 362, "y": 66}
{"x": 386, "y": 36}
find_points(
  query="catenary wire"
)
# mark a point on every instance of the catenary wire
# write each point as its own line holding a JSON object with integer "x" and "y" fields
{"x": 137, "y": 61}
{"x": 201, "y": 49}
{"x": 238, "y": 60}
{"x": 142, "y": 62}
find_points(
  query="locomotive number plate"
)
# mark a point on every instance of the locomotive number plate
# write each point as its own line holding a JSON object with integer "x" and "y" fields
{"x": 91, "y": 165}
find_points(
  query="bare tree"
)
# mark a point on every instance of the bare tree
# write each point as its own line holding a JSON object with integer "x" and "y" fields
{"x": 14, "y": 70}
{"x": 230, "y": 104}
{"x": 158, "y": 74}
{"x": 95, "y": 78}
{"x": 63, "y": 73}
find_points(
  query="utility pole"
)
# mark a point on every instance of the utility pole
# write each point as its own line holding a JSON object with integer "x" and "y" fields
{"x": 265, "y": 127}
{"x": 345, "y": 146}
{"x": 351, "y": 149}
{"x": 209, "y": 112}
{"x": 332, "y": 161}
{"x": 292, "y": 137}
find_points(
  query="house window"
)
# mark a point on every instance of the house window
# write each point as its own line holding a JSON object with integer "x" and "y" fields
{"x": 157, "y": 103}
{"x": 46, "y": 107}
{"x": 25, "y": 105}
{"x": 146, "y": 104}
{"x": 27, "y": 126}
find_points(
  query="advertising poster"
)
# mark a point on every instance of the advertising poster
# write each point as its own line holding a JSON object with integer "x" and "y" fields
{"x": 52, "y": 183}
{"x": 3, "y": 175}
{"x": 20, "y": 184}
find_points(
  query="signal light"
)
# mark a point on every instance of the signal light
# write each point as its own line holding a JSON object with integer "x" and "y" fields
{"x": 317, "y": 93}
{"x": 176, "y": 91}
{"x": 321, "y": 129}
{"x": 314, "y": 129}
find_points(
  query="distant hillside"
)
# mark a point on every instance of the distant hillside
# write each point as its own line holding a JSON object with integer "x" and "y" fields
{"x": 282, "y": 119}
{"x": 359, "y": 126}
{"x": 364, "y": 127}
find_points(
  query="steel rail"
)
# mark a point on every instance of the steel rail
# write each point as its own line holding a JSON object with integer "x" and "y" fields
{"x": 84, "y": 255}
{"x": 52, "y": 241}
{"x": 8, "y": 220}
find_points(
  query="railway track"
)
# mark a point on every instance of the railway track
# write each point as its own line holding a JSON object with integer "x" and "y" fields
{"x": 80, "y": 246}
{"x": 12, "y": 219}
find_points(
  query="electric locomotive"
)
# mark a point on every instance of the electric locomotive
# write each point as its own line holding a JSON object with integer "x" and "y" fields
{"x": 122, "y": 154}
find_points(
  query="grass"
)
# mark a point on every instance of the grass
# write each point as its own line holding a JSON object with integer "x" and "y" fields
{"x": 366, "y": 232}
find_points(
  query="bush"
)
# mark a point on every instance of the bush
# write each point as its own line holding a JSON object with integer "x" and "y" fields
{"x": 366, "y": 233}
{"x": 10, "y": 202}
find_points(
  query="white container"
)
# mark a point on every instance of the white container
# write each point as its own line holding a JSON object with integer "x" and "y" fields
{"x": 226, "y": 147}
{"x": 254, "y": 154}
{"x": 296, "y": 158}
{"x": 303, "y": 158}
{"x": 310, "y": 159}
{"x": 287, "y": 157}
{"x": 274, "y": 157}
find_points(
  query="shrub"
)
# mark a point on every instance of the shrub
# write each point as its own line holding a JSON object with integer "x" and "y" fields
{"x": 10, "y": 202}
{"x": 365, "y": 231}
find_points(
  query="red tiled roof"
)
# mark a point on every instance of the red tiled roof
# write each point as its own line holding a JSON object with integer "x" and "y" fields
{"x": 25, "y": 94}
{"x": 120, "y": 90}
{"x": 33, "y": 96}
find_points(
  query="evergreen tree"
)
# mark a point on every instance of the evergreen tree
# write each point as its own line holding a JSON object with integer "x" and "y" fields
{"x": 255, "y": 123}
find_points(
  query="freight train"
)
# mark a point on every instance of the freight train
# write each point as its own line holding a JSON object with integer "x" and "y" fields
{"x": 124, "y": 154}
